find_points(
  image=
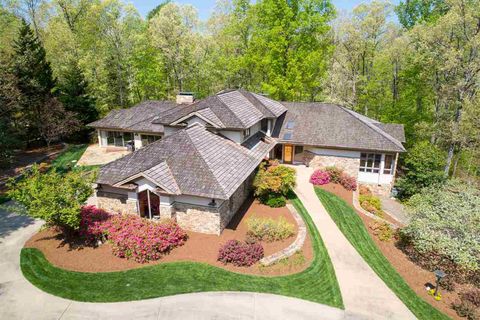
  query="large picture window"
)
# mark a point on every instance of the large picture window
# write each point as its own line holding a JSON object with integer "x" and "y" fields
{"x": 370, "y": 162}
{"x": 118, "y": 139}
{"x": 389, "y": 164}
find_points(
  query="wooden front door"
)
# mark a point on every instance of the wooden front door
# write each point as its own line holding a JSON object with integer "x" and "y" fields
{"x": 288, "y": 153}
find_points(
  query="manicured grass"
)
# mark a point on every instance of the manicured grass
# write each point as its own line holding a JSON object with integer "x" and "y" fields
{"x": 64, "y": 160}
{"x": 354, "y": 230}
{"x": 317, "y": 283}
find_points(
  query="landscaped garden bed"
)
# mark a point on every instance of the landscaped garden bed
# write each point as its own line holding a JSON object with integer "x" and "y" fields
{"x": 77, "y": 256}
{"x": 414, "y": 275}
{"x": 316, "y": 283}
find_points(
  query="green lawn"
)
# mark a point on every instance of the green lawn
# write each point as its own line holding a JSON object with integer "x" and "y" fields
{"x": 64, "y": 160}
{"x": 354, "y": 230}
{"x": 317, "y": 283}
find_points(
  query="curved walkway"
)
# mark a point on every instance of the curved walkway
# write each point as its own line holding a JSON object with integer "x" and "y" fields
{"x": 364, "y": 293}
{"x": 21, "y": 300}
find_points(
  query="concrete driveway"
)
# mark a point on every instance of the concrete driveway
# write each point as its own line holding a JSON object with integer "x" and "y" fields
{"x": 21, "y": 300}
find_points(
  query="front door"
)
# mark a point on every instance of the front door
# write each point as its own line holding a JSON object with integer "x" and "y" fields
{"x": 288, "y": 153}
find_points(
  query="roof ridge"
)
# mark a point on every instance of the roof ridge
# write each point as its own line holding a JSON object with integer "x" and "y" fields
{"x": 226, "y": 108}
{"x": 373, "y": 127}
{"x": 202, "y": 159}
{"x": 247, "y": 94}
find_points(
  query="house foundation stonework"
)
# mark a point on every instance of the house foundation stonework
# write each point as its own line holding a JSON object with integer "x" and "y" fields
{"x": 379, "y": 189}
{"x": 116, "y": 203}
{"x": 348, "y": 165}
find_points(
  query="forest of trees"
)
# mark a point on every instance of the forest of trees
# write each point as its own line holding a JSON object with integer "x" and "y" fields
{"x": 64, "y": 63}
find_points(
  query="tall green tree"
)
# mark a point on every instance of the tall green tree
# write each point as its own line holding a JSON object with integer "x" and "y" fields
{"x": 75, "y": 98}
{"x": 34, "y": 75}
{"x": 411, "y": 12}
{"x": 291, "y": 47}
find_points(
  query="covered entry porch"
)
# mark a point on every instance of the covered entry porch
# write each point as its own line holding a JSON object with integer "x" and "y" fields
{"x": 288, "y": 153}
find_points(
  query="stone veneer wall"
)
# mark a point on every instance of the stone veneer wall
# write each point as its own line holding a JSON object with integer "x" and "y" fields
{"x": 204, "y": 219}
{"x": 349, "y": 165}
{"x": 379, "y": 189}
{"x": 115, "y": 202}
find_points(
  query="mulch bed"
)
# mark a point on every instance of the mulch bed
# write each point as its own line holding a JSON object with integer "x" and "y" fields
{"x": 414, "y": 275}
{"x": 199, "y": 247}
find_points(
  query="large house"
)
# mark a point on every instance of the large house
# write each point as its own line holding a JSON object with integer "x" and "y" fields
{"x": 195, "y": 160}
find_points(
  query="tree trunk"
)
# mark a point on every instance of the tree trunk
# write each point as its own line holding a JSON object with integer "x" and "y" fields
{"x": 451, "y": 150}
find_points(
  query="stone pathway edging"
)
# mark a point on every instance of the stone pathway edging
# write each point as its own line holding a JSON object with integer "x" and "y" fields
{"x": 295, "y": 246}
{"x": 359, "y": 208}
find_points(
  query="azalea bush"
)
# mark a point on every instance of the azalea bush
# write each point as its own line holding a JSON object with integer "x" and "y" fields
{"x": 334, "y": 175}
{"x": 93, "y": 224}
{"x": 240, "y": 254}
{"x": 444, "y": 230}
{"x": 320, "y": 177}
{"x": 268, "y": 229}
{"x": 469, "y": 304}
{"x": 273, "y": 181}
{"x": 142, "y": 240}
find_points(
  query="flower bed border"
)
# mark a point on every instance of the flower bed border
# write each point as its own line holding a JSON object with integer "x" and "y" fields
{"x": 292, "y": 248}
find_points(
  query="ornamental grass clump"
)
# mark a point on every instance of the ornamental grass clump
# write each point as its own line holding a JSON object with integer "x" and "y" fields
{"x": 142, "y": 240}
{"x": 268, "y": 229}
{"x": 240, "y": 254}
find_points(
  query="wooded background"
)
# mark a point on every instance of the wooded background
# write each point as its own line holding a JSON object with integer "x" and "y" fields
{"x": 64, "y": 63}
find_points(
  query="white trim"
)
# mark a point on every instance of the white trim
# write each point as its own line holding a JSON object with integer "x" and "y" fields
{"x": 191, "y": 115}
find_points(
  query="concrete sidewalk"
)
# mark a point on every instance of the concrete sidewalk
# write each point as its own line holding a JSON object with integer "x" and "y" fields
{"x": 19, "y": 299}
{"x": 364, "y": 293}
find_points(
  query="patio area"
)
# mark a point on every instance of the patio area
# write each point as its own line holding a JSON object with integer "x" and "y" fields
{"x": 96, "y": 155}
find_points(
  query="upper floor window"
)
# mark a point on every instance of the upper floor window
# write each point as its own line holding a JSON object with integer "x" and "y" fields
{"x": 389, "y": 164}
{"x": 290, "y": 124}
{"x": 370, "y": 162}
{"x": 246, "y": 133}
{"x": 264, "y": 125}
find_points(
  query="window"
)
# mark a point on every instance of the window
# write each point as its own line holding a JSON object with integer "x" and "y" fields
{"x": 287, "y": 136}
{"x": 147, "y": 139}
{"x": 389, "y": 164}
{"x": 246, "y": 133}
{"x": 264, "y": 125}
{"x": 290, "y": 124}
{"x": 118, "y": 139}
{"x": 370, "y": 162}
{"x": 298, "y": 150}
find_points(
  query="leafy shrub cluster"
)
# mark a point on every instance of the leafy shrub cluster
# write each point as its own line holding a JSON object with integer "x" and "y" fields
{"x": 240, "y": 254}
{"x": 423, "y": 167}
{"x": 382, "y": 230}
{"x": 274, "y": 200}
{"x": 55, "y": 198}
{"x": 469, "y": 304}
{"x": 142, "y": 240}
{"x": 371, "y": 203}
{"x": 320, "y": 178}
{"x": 272, "y": 183}
{"x": 268, "y": 229}
{"x": 443, "y": 230}
{"x": 132, "y": 237}
{"x": 332, "y": 174}
{"x": 92, "y": 224}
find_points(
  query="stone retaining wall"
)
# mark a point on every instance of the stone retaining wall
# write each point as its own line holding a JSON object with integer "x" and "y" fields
{"x": 295, "y": 246}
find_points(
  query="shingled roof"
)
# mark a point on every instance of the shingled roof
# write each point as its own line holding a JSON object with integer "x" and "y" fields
{"x": 330, "y": 125}
{"x": 138, "y": 118}
{"x": 192, "y": 161}
{"x": 232, "y": 109}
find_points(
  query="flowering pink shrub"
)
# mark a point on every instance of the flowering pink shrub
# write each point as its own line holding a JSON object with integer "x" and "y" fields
{"x": 348, "y": 182}
{"x": 92, "y": 224}
{"x": 142, "y": 240}
{"x": 320, "y": 177}
{"x": 240, "y": 254}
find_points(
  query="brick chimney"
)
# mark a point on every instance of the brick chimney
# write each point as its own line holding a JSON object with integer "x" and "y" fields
{"x": 185, "y": 98}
